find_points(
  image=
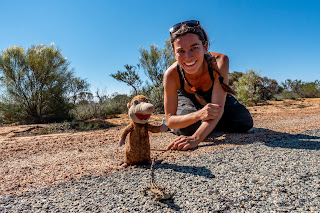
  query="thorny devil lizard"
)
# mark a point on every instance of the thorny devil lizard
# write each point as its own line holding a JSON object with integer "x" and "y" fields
{"x": 156, "y": 192}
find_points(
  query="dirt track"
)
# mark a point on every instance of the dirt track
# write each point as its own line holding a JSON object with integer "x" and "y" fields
{"x": 32, "y": 162}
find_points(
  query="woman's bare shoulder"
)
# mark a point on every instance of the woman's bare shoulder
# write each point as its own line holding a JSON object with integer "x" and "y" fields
{"x": 221, "y": 60}
{"x": 171, "y": 76}
{"x": 219, "y": 56}
{"x": 171, "y": 71}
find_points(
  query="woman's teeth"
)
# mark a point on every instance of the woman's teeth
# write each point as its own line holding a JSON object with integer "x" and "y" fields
{"x": 190, "y": 64}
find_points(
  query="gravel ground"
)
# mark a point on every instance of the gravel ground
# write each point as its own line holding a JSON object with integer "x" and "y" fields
{"x": 280, "y": 175}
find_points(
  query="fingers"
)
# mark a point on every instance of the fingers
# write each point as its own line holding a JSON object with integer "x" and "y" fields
{"x": 186, "y": 147}
{"x": 174, "y": 144}
{"x": 170, "y": 146}
{"x": 181, "y": 143}
{"x": 214, "y": 107}
{"x": 211, "y": 111}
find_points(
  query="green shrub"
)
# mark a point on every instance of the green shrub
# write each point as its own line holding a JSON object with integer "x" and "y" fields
{"x": 247, "y": 88}
{"x": 287, "y": 95}
{"x": 116, "y": 104}
{"x": 37, "y": 84}
{"x": 88, "y": 111}
{"x": 310, "y": 90}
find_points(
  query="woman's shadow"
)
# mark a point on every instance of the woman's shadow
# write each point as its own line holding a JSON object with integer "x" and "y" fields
{"x": 308, "y": 140}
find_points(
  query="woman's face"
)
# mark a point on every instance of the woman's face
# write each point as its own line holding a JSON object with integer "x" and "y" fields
{"x": 189, "y": 52}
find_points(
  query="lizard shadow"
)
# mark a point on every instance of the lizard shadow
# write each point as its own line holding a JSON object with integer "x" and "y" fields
{"x": 170, "y": 204}
{"x": 269, "y": 137}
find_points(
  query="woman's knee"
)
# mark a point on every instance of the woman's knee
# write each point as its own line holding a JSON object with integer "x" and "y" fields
{"x": 236, "y": 119}
{"x": 243, "y": 122}
{"x": 244, "y": 125}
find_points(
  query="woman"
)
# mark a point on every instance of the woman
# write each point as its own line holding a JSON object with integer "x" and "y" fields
{"x": 196, "y": 86}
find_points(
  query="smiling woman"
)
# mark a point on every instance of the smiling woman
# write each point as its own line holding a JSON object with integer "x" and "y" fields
{"x": 196, "y": 98}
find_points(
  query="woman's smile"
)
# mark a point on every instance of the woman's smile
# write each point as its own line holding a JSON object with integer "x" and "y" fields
{"x": 191, "y": 63}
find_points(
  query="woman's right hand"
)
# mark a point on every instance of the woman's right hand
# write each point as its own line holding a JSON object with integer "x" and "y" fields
{"x": 209, "y": 112}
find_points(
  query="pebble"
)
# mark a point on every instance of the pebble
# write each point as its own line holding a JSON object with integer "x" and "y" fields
{"x": 280, "y": 175}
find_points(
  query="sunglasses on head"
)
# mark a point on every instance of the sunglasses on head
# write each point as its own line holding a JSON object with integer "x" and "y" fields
{"x": 190, "y": 23}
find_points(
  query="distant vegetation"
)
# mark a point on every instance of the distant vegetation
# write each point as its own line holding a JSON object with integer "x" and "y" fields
{"x": 38, "y": 86}
{"x": 252, "y": 89}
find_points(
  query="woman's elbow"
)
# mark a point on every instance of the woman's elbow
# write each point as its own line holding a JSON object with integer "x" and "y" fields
{"x": 169, "y": 124}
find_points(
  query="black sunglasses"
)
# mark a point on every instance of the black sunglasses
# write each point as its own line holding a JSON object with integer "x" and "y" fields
{"x": 190, "y": 23}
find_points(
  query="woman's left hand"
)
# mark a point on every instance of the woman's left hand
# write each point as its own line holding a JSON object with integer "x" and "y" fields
{"x": 184, "y": 143}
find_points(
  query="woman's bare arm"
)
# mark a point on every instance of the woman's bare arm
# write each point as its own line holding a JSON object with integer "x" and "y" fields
{"x": 218, "y": 99}
{"x": 171, "y": 85}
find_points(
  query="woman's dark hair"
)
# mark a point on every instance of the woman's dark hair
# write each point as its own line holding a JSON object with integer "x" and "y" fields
{"x": 203, "y": 37}
{"x": 198, "y": 30}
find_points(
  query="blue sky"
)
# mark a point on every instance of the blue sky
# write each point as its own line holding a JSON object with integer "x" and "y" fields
{"x": 281, "y": 39}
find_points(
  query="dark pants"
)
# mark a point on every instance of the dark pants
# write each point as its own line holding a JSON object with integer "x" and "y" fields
{"x": 236, "y": 118}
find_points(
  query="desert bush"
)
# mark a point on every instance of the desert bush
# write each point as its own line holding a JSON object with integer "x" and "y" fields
{"x": 298, "y": 89}
{"x": 87, "y": 111}
{"x": 9, "y": 112}
{"x": 117, "y": 103}
{"x": 267, "y": 87}
{"x": 104, "y": 107}
{"x": 234, "y": 77}
{"x": 310, "y": 90}
{"x": 37, "y": 84}
{"x": 247, "y": 88}
{"x": 285, "y": 94}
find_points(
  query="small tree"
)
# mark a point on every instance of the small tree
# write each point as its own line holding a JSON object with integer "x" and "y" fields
{"x": 292, "y": 86}
{"x": 37, "y": 84}
{"x": 78, "y": 89}
{"x": 247, "y": 88}
{"x": 156, "y": 61}
{"x": 168, "y": 56}
{"x": 310, "y": 89}
{"x": 268, "y": 88}
{"x": 130, "y": 77}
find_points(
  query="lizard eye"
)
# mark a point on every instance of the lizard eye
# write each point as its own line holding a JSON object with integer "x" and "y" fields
{"x": 136, "y": 102}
